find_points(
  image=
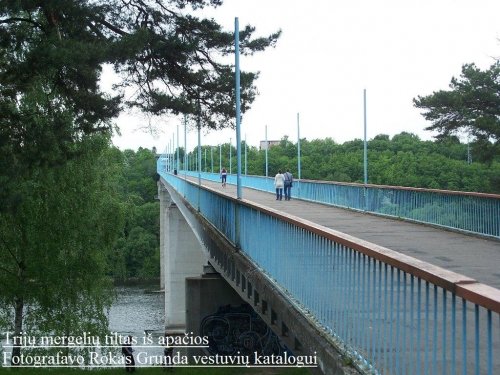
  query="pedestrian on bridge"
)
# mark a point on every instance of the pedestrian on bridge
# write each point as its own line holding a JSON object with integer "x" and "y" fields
{"x": 223, "y": 176}
{"x": 288, "y": 184}
{"x": 279, "y": 182}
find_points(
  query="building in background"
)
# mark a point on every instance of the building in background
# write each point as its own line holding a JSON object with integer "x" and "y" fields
{"x": 270, "y": 143}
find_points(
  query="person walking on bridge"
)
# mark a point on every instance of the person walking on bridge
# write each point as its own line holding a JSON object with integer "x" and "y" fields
{"x": 288, "y": 184}
{"x": 223, "y": 176}
{"x": 279, "y": 181}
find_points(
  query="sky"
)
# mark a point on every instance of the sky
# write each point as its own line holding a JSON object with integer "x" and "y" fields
{"x": 331, "y": 51}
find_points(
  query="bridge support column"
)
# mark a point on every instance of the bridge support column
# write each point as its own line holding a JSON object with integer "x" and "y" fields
{"x": 165, "y": 201}
{"x": 181, "y": 256}
{"x": 205, "y": 294}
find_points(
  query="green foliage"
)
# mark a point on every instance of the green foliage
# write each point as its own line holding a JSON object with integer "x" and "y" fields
{"x": 170, "y": 57}
{"x": 472, "y": 104}
{"x": 54, "y": 244}
{"x": 137, "y": 252}
{"x": 404, "y": 160}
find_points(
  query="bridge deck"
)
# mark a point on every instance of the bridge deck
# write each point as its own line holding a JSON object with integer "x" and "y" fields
{"x": 465, "y": 254}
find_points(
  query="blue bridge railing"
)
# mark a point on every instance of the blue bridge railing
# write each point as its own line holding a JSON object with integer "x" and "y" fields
{"x": 391, "y": 313}
{"x": 475, "y": 213}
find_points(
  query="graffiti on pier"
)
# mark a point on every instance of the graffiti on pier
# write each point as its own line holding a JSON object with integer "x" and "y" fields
{"x": 232, "y": 330}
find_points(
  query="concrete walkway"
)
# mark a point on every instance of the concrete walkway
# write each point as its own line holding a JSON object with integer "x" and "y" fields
{"x": 465, "y": 254}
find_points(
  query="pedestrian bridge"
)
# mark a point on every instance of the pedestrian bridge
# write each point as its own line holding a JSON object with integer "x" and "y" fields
{"x": 398, "y": 280}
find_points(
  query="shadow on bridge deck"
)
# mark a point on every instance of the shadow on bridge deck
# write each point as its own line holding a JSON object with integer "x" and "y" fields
{"x": 469, "y": 255}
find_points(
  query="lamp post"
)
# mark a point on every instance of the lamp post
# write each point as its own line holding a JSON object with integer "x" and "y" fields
{"x": 198, "y": 124}
{"x": 365, "y": 147}
{"x": 178, "y": 161}
{"x": 238, "y": 136}
{"x": 267, "y": 146}
{"x": 230, "y": 163}
{"x": 186, "y": 166}
{"x": 211, "y": 159}
{"x": 298, "y": 154}
{"x": 238, "y": 107}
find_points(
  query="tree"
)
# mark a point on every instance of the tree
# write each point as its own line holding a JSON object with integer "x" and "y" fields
{"x": 51, "y": 106}
{"x": 171, "y": 57}
{"x": 472, "y": 104}
{"x": 403, "y": 160}
{"x": 136, "y": 252}
{"x": 53, "y": 51}
{"x": 53, "y": 247}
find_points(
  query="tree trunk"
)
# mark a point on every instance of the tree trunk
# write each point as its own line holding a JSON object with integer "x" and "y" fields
{"x": 18, "y": 329}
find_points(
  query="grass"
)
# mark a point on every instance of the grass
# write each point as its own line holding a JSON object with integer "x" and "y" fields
{"x": 158, "y": 371}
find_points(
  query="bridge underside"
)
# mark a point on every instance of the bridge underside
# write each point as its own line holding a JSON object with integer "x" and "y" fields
{"x": 297, "y": 331}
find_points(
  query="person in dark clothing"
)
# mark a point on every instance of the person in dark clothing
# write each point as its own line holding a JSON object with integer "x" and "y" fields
{"x": 168, "y": 353}
{"x": 288, "y": 185}
{"x": 223, "y": 176}
{"x": 127, "y": 352}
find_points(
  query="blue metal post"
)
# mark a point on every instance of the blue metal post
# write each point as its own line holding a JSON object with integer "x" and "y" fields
{"x": 230, "y": 152}
{"x": 185, "y": 147}
{"x": 178, "y": 161}
{"x": 199, "y": 154}
{"x": 212, "y": 159}
{"x": 365, "y": 155}
{"x": 238, "y": 132}
{"x": 489, "y": 344}
{"x": 464, "y": 336}
{"x": 365, "y": 148}
{"x": 298, "y": 155}
{"x": 199, "y": 145}
{"x": 267, "y": 146}
{"x": 220, "y": 158}
{"x": 246, "y": 147}
{"x": 477, "y": 336}
{"x": 171, "y": 156}
{"x": 238, "y": 109}
{"x": 167, "y": 158}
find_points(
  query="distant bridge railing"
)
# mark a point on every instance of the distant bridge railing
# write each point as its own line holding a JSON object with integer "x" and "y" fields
{"x": 391, "y": 313}
{"x": 476, "y": 213}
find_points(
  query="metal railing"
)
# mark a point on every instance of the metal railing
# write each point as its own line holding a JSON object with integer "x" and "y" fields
{"x": 476, "y": 213}
{"x": 391, "y": 313}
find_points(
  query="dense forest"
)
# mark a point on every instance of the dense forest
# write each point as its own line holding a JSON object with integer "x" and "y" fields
{"x": 403, "y": 160}
{"x": 136, "y": 252}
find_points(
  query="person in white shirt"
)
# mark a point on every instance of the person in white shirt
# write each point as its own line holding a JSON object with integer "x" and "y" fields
{"x": 279, "y": 182}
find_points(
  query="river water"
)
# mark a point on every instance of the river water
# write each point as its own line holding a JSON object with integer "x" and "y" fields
{"x": 137, "y": 311}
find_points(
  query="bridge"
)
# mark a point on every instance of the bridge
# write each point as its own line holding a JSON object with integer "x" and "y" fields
{"x": 387, "y": 279}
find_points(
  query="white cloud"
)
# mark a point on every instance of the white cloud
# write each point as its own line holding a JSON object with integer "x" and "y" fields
{"x": 331, "y": 50}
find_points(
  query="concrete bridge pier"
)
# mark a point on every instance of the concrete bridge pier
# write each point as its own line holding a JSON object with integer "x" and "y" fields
{"x": 181, "y": 256}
